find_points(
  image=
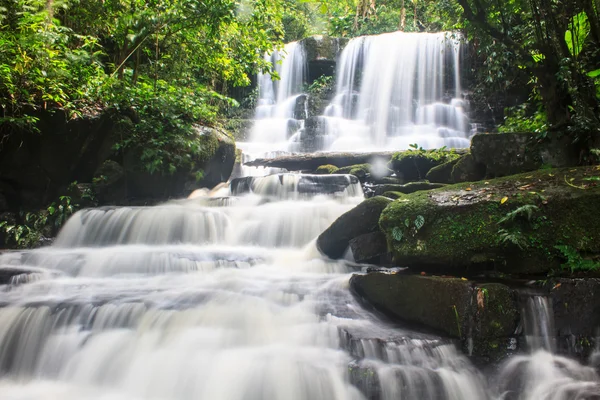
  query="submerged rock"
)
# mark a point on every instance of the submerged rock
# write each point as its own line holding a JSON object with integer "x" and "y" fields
{"x": 361, "y": 220}
{"x": 512, "y": 224}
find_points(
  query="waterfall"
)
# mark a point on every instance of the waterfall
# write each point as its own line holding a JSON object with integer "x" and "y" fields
{"x": 280, "y": 110}
{"x": 396, "y": 89}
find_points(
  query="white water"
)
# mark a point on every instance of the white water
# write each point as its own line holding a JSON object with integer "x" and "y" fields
{"x": 277, "y": 115}
{"x": 398, "y": 89}
{"x": 184, "y": 301}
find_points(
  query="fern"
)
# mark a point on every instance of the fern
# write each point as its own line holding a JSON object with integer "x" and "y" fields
{"x": 575, "y": 262}
{"x": 526, "y": 211}
{"x": 516, "y": 238}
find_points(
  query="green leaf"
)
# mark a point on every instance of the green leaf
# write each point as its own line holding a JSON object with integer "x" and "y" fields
{"x": 578, "y": 32}
{"x": 397, "y": 234}
{"x": 407, "y": 222}
{"x": 419, "y": 222}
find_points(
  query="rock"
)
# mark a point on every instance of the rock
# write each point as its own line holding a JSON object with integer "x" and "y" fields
{"x": 485, "y": 313}
{"x": 361, "y": 171}
{"x": 511, "y": 224}
{"x": 361, "y": 220}
{"x": 512, "y": 153}
{"x": 467, "y": 169}
{"x": 406, "y": 188}
{"x": 321, "y": 55}
{"x": 211, "y": 164}
{"x": 326, "y": 169}
{"x": 394, "y": 195}
{"x": 369, "y": 248}
{"x": 442, "y": 173}
{"x": 276, "y": 184}
{"x": 414, "y": 165}
{"x": 576, "y": 306}
{"x": 310, "y": 162}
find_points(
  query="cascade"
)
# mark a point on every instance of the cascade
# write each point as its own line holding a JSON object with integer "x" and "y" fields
{"x": 392, "y": 90}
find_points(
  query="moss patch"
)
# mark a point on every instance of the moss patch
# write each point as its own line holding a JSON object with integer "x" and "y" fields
{"x": 361, "y": 171}
{"x": 326, "y": 169}
{"x": 462, "y": 222}
{"x": 415, "y": 164}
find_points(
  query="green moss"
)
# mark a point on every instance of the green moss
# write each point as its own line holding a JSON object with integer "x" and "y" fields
{"x": 359, "y": 170}
{"x": 326, "y": 169}
{"x": 415, "y": 164}
{"x": 394, "y": 195}
{"x": 462, "y": 222}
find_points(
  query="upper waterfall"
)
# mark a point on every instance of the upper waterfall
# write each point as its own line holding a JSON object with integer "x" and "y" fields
{"x": 392, "y": 90}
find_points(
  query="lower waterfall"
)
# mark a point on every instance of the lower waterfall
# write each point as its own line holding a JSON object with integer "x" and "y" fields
{"x": 227, "y": 298}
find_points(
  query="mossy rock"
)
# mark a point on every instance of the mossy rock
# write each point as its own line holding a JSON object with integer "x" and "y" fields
{"x": 361, "y": 171}
{"x": 460, "y": 226}
{"x": 467, "y": 169}
{"x": 327, "y": 170}
{"x": 408, "y": 188}
{"x": 414, "y": 165}
{"x": 394, "y": 195}
{"x": 361, "y": 220}
{"x": 487, "y": 313}
{"x": 442, "y": 173}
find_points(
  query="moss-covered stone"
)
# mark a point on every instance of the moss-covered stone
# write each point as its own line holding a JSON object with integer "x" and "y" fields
{"x": 484, "y": 316}
{"x": 442, "y": 173}
{"x": 361, "y": 220}
{"x": 460, "y": 225}
{"x": 361, "y": 171}
{"x": 407, "y": 188}
{"x": 326, "y": 170}
{"x": 467, "y": 169}
{"x": 414, "y": 165}
{"x": 394, "y": 195}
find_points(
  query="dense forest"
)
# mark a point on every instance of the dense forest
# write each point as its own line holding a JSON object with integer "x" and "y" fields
{"x": 157, "y": 67}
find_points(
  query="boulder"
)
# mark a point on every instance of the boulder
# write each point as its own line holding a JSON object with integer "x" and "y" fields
{"x": 511, "y": 224}
{"x": 414, "y": 165}
{"x": 486, "y": 314}
{"x": 442, "y": 173}
{"x": 467, "y": 169}
{"x": 512, "y": 153}
{"x": 361, "y": 171}
{"x": 361, "y": 220}
{"x": 369, "y": 248}
{"x": 407, "y": 188}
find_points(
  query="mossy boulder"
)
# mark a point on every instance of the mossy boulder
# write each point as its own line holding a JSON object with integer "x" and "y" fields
{"x": 512, "y": 153}
{"x": 453, "y": 306}
{"x": 369, "y": 248}
{"x": 394, "y": 195}
{"x": 326, "y": 170}
{"x": 361, "y": 220}
{"x": 407, "y": 188}
{"x": 442, "y": 173}
{"x": 412, "y": 165}
{"x": 467, "y": 169}
{"x": 512, "y": 224}
{"x": 361, "y": 171}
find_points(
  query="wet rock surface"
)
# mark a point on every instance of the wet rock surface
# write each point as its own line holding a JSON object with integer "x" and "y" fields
{"x": 361, "y": 220}
{"x": 310, "y": 162}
